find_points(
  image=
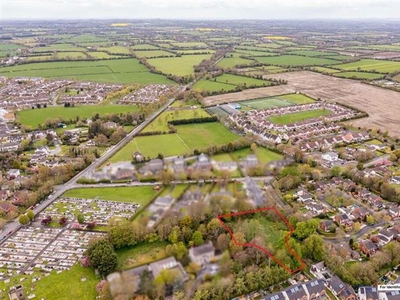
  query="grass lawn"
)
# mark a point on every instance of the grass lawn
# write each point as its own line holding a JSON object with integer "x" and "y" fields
{"x": 179, "y": 66}
{"x": 299, "y": 116}
{"x": 174, "y": 191}
{"x": 167, "y": 144}
{"x": 160, "y": 123}
{"x": 326, "y": 70}
{"x": 297, "y": 98}
{"x": 384, "y": 66}
{"x": 126, "y": 71}
{"x": 34, "y": 117}
{"x": 266, "y": 156}
{"x": 240, "y": 154}
{"x": 153, "y": 53}
{"x": 359, "y": 75}
{"x": 136, "y": 194}
{"x": 231, "y": 62}
{"x": 197, "y": 136}
{"x": 295, "y": 60}
{"x": 241, "y": 80}
{"x": 140, "y": 254}
{"x": 67, "y": 285}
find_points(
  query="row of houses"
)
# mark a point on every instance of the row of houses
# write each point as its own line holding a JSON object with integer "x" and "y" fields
{"x": 148, "y": 94}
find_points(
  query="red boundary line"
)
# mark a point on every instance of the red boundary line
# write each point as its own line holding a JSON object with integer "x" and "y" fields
{"x": 273, "y": 208}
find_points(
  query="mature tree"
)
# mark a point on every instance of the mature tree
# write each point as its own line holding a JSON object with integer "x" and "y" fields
{"x": 305, "y": 229}
{"x": 178, "y": 250}
{"x": 23, "y": 219}
{"x": 80, "y": 218}
{"x": 197, "y": 238}
{"x": 30, "y": 214}
{"x": 120, "y": 233}
{"x": 313, "y": 247}
{"x": 370, "y": 219}
{"x": 102, "y": 256}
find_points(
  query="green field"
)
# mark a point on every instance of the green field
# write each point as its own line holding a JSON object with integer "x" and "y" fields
{"x": 254, "y": 53}
{"x": 263, "y": 103}
{"x": 116, "y": 50}
{"x": 153, "y": 53}
{"x": 312, "y": 53}
{"x": 8, "y": 49}
{"x": 325, "y": 70}
{"x": 124, "y": 71}
{"x": 39, "y": 57}
{"x": 34, "y": 117}
{"x": 144, "y": 47}
{"x": 231, "y": 62}
{"x": 213, "y": 86}
{"x": 58, "y": 47}
{"x": 188, "y": 138}
{"x": 299, "y": 116}
{"x": 297, "y": 98}
{"x": 383, "y": 66}
{"x": 101, "y": 55}
{"x": 160, "y": 123}
{"x": 71, "y": 55}
{"x": 359, "y": 75}
{"x": 179, "y": 66}
{"x": 134, "y": 194}
{"x": 295, "y": 60}
{"x": 190, "y": 45}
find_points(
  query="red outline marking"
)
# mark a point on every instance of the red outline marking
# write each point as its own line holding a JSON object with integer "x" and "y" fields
{"x": 302, "y": 264}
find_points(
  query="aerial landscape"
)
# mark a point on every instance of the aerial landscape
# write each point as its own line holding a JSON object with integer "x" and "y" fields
{"x": 149, "y": 151}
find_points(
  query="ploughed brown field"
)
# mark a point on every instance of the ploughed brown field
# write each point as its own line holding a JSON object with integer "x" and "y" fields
{"x": 383, "y": 106}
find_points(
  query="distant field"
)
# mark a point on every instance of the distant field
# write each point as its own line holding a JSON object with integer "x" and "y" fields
{"x": 59, "y": 47}
{"x": 137, "y": 194}
{"x": 260, "y": 52}
{"x": 231, "y": 62}
{"x": 190, "y": 45}
{"x": 360, "y": 75}
{"x": 144, "y": 47}
{"x": 179, "y": 66}
{"x": 213, "y": 86}
{"x": 188, "y": 52}
{"x": 39, "y": 57}
{"x": 153, "y": 53}
{"x": 295, "y": 60}
{"x": 297, "y": 98}
{"x": 125, "y": 71}
{"x": 326, "y": 70}
{"x": 383, "y": 66}
{"x": 71, "y": 55}
{"x": 101, "y": 55}
{"x": 116, "y": 50}
{"x": 34, "y": 117}
{"x": 8, "y": 49}
{"x": 87, "y": 38}
{"x": 313, "y": 53}
{"x": 299, "y": 116}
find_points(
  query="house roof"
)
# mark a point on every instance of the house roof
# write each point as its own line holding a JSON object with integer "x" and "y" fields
{"x": 369, "y": 245}
{"x": 296, "y": 292}
{"x": 275, "y": 296}
{"x": 315, "y": 286}
{"x": 336, "y": 284}
{"x": 203, "y": 249}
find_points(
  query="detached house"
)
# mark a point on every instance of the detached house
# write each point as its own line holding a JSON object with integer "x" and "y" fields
{"x": 368, "y": 247}
{"x": 203, "y": 254}
{"x": 341, "y": 290}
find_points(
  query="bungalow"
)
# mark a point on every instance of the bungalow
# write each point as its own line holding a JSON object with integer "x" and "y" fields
{"x": 110, "y": 125}
{"x": 325, "y": 225}
{"x": 368, "y": 247}
{"x": 343, "y": 220}
{"x": 386, "y": 235}
{"x": 315, "y": 208}
{"x": 7, "y": 207}
{"x": 360, "y": 213}
{"x": 203, "y": 254}
{"x": 394, "y": 212}
{"x": 169, "y": 263}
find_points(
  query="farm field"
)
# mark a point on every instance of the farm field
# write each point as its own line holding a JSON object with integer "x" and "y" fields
{"x": 160, "y": 123}
{"x": 383, "y": 66}
{"x": 299, "y": 116}
{"x": 153, "y": 53}
{"x": 326, "y": 70}
{"x": 116, "y": 50}
{"x": 362, "y": 96}
{"x": 124, "y": 71}
{"x": 297, "y": 98}
{"x": 231, "y": 62}
{"x": 101, "y": 55}
{"x": 311, "y": 53}
{"x": 34, "y": 117}
{"x": 71, "y": 55}
{"x": 39, "y": 57}
{"x": 144, "y": 47}
{"x": 190, "y": 45}
{"x": 179, "y": 66}
{"x": 134, "y": 194}
{"x": 254, "y": 53}
{"x": 189, "y": 52}
{"x": 59, "y": 47}
{"x": 359, "y": 75}
{"x": 213, "y": 86}
{"x": 295, "y": 60}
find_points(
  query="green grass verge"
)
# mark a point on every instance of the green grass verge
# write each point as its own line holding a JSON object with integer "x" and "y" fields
{"x": 297, "y": 98}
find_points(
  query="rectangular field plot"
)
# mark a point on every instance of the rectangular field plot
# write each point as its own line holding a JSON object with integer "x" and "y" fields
{"x": 296, "y": 98}
{"x": 213, "y": 86}
{"x": 153, "y": 53}
{"x": 299, "y": 116}
{"x": 359, "y": 75}
{"x": 383, "y": 66}
{"x": 264, "y": 103}
{"x": 295, "y": 60}
{"x": 179, "y": 66}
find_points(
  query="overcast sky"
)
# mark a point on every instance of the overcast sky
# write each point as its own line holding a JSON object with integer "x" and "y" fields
{"x": 198, "y": 9}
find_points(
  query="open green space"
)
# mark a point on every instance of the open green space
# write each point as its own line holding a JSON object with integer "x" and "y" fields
{"x": 254, "y": 53}
{"x": 299, "y": 116}
{"x": 359, "y": 75}
{"x": 101, "y": 55}
{"x": 241, "y": 80}
{"x": 140, "y": 254}
{"x": 133, "y": 194}
{"x": 263, "y": 103}
{"x": 124, "y": 71}
{"x": 383, "y": 66}
{"x": 153, "y": 53}
{"x": 179, "y": 66}
{"x": 71, "y": 55}
{"x": 295, "y": 60}
{"x": 213, "y": 86}
{"x": 161, "y": 122}
{"x": 59, "y": 47}
{"x": 190, "y": 45}
{"x": 266, "y": 156}
{"x": 144, "y": 47}
{"x": 116, "y": 50}
{"x": 197, "y": 136}
{"x": 35, "y": 117}
{"x": 311, "y": 53}
{"x": 167, "y": 144}
{"x": 87, "y": 38}
{"x": 297, "y": 98}
{"x": 231, "y": 62}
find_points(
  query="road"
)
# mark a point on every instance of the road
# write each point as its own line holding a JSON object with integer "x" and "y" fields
{"x": 72, "y": 183}
{"x": 360, "y": 233}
